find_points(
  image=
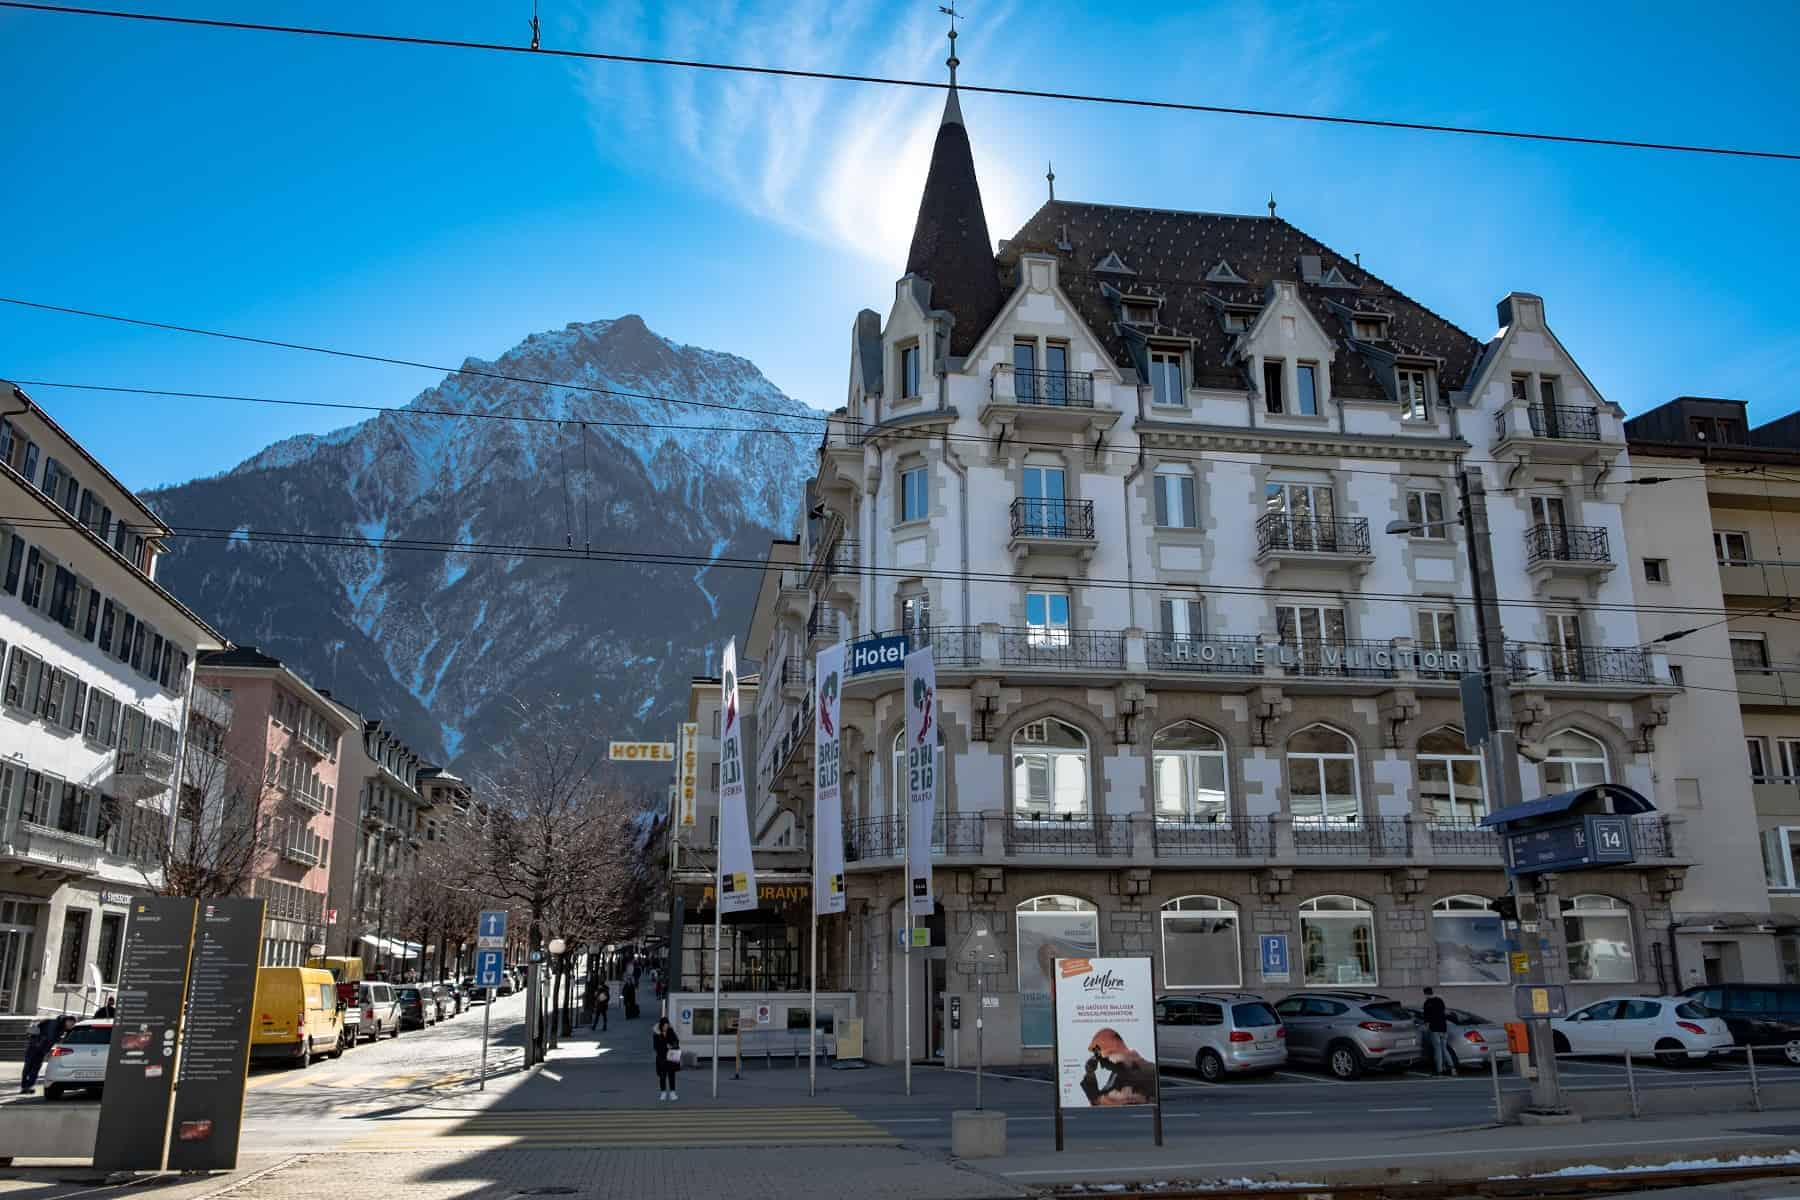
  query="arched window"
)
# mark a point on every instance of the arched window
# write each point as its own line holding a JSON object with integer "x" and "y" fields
{"x": 1337, "y": 936}
{"x": 1191, "y": 783}
{"x": 1574, "y": 760}
{"x": 1049, "y": 928}
{"x": 1200, "y": 945}
{"x": 1450, "y": 778}
{"x": 1322, "y": 788}
{"x": 1598, "y": 932}
{"x": 1050, "y": 770}
{"x": 1471, "y": 944}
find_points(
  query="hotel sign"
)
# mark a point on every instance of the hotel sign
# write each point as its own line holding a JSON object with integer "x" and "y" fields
{"x": 641, "y": 751}
{"x": 690, "y": 773}
{"x": 1328, "y": 657}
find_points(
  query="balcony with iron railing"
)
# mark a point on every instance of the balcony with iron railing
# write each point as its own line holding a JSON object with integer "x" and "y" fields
{"x": 1557, "y": 421}
{"x": 1216, "y": 654}
{"x": 1056, "y": 520}
{"x": 298, "y": 854}
{"x": 53, "y": 854}
{"x": 1354, "y": 837}
{"x": 1044, "y": 401}
{"x": 1063, "y": 389}
{"x": 824, "y": 625}
{"x": 143, "y": 772}
{"x": 1534, "y": 665}
{"x": 1281, "y": 536}
{"x": 1240, "y": 837}
{"x": 1574, "y": 548}
{"x": 1555, "y": 433}
{"x": 1060, "y": 648}
{"x": 1070, "y": 835}
{"x": 875, "y": 839}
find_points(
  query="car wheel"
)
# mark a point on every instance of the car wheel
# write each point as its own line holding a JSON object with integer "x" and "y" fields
{"x": 1210, "y": 1066}
{"x": 1344, "y": 1061}
{"x": 54, "y": 1091}
{"x": 1559, "y": 1043}
{"x": 1792, "y": 1052}
{"x": 1670, "y": 1053}
{"x": 305, "y": 1059}
{"x": 337, "y": 1049}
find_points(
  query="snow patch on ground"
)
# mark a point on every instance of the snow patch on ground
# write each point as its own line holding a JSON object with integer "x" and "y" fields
{"x": 1685, "y": 1164}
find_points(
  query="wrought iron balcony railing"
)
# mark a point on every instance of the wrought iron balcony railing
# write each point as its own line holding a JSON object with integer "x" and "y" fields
{"x": 1556, "y": 421}
{"x": 1463, "y": 836}
{"x": 1599, "y": 664}
{"x": 869, "y": 839}
{"x": 1360, "y": 837}
{"x": 1203, "y": 655}
{"x": 1077, "y": 835}
{"x": 1054, "y": 388}
{"x": 1052, "y": 518}
{"x": 1241, "y": 837}
{"x": 1567, "y": 543}
{"x": 1351, "y": 658}
{"x": 1059, "y": 646}
{"x": 1344, "y": 535}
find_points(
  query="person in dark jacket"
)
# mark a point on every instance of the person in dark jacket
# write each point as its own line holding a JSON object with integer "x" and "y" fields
{"x": 628, "y": 991}
{"x": 603, "y": 1004}
{"x": 44, "y": 1035}
{"x": 108, "y": 1011}
{"x": 1437, "y": 1034}
{"x": 667, "y": 1048}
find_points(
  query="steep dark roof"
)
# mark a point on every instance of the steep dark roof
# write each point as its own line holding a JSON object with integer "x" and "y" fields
{"x": 237, "y": 656}
{"x": 1169, "y": 255}
{"x": 950, "y": 243}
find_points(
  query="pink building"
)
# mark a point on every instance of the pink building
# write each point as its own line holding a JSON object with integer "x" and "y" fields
{"x": 279, "y": 746}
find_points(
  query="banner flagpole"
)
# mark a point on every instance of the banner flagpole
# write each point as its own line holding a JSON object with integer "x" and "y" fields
{"x": 718, "y": 926}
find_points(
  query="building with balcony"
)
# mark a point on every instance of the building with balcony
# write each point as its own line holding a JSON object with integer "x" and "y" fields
{"x": 1129, "y": 477}
{"x": 1734, "y": 490}
{"x": 93, "y": 700}
{"x": 384, "y": 814}
{"x": 279, "y": 749}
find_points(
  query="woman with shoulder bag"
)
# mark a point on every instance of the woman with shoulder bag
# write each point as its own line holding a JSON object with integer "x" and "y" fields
{"x": 668, "y": 1057}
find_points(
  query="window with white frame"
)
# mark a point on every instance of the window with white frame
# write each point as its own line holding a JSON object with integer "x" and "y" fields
{"x": 1306, "y": 629}
{"x": 1306, "y": 389}
{"x": 1049, "y": 928}
{"x": 1415, "y": 399}
{"x": 1787, "y": 756}
{"x": 1597, "y": 930}
{"x": 915, "y": 611}
{"x": 1047, "y": 618}
{"x": 1564, "y": 651}
{"x": 1425, "y": 509}
{"x": 1337, "y": 942}
{"x": 1238, "y": 320}
{"x": 1781, "y": 857}
{"x": 1749, "y": 652}
{"x": 1175, "y": 497}
{"x": 1191, "y": 784}
{"x": 1573, "y": 760}
{"x": 1437, "y": 628}
{"x": 1200, "y": 944}
{"x": 1272, "y": 389}
{"x": 1181, "y": 616}
{"x": 1451, "y": 786}
{"x": 1471, "y": 942}
{"x": 1322, "y": 784}
{"x": 1168, "y": 387}
{"x": 1731, "y": 546}
{"x": 909, "y": 372}
{"x": 1050, "y": 770}
{"x": 1758, "y": 750}
{"x": 915, "y": 494}
{"x": 1310, "y": 512}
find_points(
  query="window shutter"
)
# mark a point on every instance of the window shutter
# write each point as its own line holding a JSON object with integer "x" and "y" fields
{"x": 1162, "y": 499}
{"x": 1193, "y": 617}
{"x": 1168, "y": 615}
{"x": 1189, "y": 519}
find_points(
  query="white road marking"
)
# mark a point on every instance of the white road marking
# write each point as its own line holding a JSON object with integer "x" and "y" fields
{"x": 1420, "y": 1108}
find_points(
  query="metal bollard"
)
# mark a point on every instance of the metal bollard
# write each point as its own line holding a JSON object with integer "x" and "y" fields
{"x": 1494, "y": 1070}
{"x": 1631, "y": 1084}
{"x": 1755, "y": 1084}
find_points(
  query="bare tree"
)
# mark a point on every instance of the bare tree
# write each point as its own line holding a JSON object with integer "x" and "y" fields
{"x": 224, "y": 833}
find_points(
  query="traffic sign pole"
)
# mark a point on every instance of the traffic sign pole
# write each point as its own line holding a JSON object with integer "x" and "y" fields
{"x": 490, "y": 950}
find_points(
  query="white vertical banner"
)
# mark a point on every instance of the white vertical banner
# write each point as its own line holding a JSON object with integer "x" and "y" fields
{"x": 828, "y": 813}
{"x": 921, "y": 776}
{"x": 737, "y": 872}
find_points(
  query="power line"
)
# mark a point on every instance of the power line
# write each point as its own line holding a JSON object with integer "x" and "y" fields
{"x": 899, "y": 434}
{"x": 887, "y": 81}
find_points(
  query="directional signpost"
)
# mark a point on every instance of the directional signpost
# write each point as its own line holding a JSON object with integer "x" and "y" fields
{"x": 490, "y": 958}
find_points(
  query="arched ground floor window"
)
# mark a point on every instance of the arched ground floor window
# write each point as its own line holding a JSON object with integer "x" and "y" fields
{"x": 1049, "y": 928}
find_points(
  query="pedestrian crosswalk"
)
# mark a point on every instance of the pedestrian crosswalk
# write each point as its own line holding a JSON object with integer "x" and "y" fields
{"x": 663, "y": 1125}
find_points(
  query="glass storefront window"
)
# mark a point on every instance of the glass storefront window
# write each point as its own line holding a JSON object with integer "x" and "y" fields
{"x": 1597, "y": 930}
{"x": 1471, "y": 944}
{"x": 1049, "y": 928}
{"x": 1200, "y": 943}
{"x": 1337, "y": 936}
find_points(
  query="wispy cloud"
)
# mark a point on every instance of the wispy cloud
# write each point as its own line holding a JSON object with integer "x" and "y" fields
{"x": 839, "y": 162}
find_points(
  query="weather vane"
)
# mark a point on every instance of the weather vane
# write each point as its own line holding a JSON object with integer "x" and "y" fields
{"x": 949, "y": 10}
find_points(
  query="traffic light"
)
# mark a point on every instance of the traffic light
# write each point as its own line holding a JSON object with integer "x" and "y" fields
{"x": 1507, "y": 907}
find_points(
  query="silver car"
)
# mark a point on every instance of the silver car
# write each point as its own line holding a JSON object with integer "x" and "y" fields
{"x": 1474, "y": 1040}
{"x": 1219, "y": 1034}
{"x": 78, "y": 1060}
{"x": 1349, "y": 1032}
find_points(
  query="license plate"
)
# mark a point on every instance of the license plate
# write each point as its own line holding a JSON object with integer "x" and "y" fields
{"x": 1407, "y": 1044}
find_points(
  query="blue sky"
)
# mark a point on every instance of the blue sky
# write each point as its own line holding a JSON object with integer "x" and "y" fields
{"x": 436, "y": 205}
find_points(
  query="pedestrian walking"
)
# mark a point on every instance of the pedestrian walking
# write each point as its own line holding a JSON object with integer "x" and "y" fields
{"x": 37, "y": 1048}
{"x": 668, "y": 1058}
{"x": 108, "y": 1011}
{"x": 602, "y": 1003}
{"x": 628, "y": 991}
{"x": 1437, "y": 1034}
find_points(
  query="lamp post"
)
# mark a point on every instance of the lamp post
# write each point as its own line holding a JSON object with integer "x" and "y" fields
{"x": 1501, "y": 747}
{"x": 557, "y": 946}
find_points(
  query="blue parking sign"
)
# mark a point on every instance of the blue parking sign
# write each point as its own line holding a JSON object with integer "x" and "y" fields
{"x": 1274, "y": 957}
{"x": 487, "y": 968}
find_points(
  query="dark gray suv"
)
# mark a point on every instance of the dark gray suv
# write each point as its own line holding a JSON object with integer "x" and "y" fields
{"x": 1349, "y": 1032}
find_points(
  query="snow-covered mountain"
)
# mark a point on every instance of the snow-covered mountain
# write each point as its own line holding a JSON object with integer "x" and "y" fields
{"x": 437, "y": 643}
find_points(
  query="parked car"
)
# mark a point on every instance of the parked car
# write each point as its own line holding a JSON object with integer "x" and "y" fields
{"x": 1474, "y": 1040}
{"x": 479, "y": 995}
{"x": 380, "y": 1009}
{"x": 1673, "y": 1028}
{"x": 1349, "y": 1032}
{"x": 416, "y": 1007}
{"x": 1219, "y": 1034}
{"x": 78, "y": 1060}
{"x": 459, "y": 996}
{"x": 1765, "y": 1015}
{"x": 507, "y": 987}
{"x": 295, "y": 1015}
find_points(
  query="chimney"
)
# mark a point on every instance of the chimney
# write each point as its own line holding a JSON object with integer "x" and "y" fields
{"x": 1309, "y": 268}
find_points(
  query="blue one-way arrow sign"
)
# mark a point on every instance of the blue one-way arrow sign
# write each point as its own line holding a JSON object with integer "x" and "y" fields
{"x": 490, "y": 931}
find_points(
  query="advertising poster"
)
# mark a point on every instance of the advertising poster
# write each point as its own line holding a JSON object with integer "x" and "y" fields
{"x": 737, "y": 871}
{"x": 140, "y": 1066}
{"x": 1045, "y": 937}
{"x": 1105, "y": 1032}
{"x": 828, "y": 812}
{"x": 215, "y": 1054}
{"x": 921, "y": 777}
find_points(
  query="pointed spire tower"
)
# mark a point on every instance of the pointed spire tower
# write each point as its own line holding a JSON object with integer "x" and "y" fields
{"x": 950, "y": 243}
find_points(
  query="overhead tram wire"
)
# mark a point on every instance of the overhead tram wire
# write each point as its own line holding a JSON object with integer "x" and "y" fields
{"x": 350, "y": 541}
{"x": 538, "y": 51}
{"x": 1196, "y": 456}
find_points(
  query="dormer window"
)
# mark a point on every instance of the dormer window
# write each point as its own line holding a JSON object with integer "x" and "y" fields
{"x": 1238, "y": 320}
{"x": 1412, "y": 386}
{"x": 909, "y": 372}
{"x": 1369, "y": 329}
{"x": 1140, "y": 312}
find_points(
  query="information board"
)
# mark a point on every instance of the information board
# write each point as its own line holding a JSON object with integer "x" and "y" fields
{"x": 140, "y": 1066}
{"x": 1593, "y": 840}
{"x": 1105, "y": 1033}
{"x": 215, "y": 1050}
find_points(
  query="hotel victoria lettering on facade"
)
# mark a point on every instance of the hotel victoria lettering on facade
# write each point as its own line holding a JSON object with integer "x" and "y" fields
{"x": 1129, "y": 477}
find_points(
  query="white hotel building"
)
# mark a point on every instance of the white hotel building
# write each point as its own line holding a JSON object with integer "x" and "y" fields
{"x": 1130, "y": 476}
{"x": 96, "y": 687}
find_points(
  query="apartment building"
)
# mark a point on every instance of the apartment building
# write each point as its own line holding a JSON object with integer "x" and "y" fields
{"x": 386, "y": 824}
{"x": 279, "y": 751}
{"x": 1736, "y": 488}
{"x": 94, "y": 697}
{"x": 1130, "y": 478}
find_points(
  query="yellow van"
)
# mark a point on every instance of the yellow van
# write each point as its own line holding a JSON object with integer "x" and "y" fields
{"x": 296, "y": 1015}
{"x": 344, "y": 970}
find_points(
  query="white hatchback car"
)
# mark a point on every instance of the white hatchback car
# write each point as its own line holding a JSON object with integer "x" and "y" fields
{"x": 79, "y": 1060}
{"x": 1672, "y": 1028}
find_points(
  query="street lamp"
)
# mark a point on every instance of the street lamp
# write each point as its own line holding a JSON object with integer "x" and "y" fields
{"x": 557, "y": 946}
